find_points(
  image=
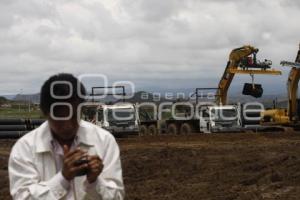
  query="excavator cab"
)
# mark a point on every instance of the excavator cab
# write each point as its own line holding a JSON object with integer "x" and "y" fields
{"x": 249, "y": 62}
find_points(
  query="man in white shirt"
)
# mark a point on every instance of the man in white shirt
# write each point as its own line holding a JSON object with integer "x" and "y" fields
{"x": 65, "y": 159}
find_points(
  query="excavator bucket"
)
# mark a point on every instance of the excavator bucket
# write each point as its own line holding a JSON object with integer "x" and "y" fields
{"x": 255, "y": 91}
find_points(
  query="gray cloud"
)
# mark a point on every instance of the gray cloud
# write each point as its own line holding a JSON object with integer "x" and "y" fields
{"x": 291, "y": 4}
{"x": 170, "y": 43}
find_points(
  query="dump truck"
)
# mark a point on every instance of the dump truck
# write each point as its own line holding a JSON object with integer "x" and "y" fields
{"x": 119, "y": 119}
{"x": 201, "y": 117}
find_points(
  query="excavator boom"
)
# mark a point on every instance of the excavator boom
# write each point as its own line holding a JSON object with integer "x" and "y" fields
{"x": 292, "y": 86}
{"x": 241, "y": 62}
{"x": 289, "y": 116}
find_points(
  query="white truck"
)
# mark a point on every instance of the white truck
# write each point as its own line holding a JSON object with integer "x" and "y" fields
{"x": 220, "y": 119}
{"x": 120, "y": 119}
{"x": 209, "y": 119}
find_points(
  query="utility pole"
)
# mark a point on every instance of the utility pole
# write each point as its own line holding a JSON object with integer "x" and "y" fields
{"x": 20, "y": 101}
{"x": 28, "y": 103}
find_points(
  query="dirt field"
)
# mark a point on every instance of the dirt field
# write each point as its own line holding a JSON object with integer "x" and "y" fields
{"x": 220, "y": 166}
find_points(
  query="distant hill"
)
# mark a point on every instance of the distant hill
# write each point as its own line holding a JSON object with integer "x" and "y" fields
{"x": 144, "y": 96}
{"x": 9, "y": 97}
{"x": 137, "y": 97}
{"x": 3, "y": 100}
{"x": 33, "y": 98}
{"x": 267, "y": 100}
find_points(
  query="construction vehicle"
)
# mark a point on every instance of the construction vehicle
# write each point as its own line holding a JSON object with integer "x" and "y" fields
{"x": 217, "y": 117}
{"x": 243, "y": 61}
{"x": 206, "y": 117}
{"x": 220, "y": 119}
{"x": 121, "y": 118}
{"x": 209, "y": 117}
{"x": 287, "y": 117}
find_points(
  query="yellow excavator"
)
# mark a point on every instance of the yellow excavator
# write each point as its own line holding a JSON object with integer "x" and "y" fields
{"x": 243, "y": 61}
{"x": 289, "y": 116}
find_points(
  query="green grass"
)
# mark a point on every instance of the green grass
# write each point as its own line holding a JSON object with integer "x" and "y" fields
{"x": 8, "y": 113}
{"x": 23, "y": 112}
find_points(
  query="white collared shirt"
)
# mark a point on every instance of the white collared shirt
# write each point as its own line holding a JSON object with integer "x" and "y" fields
{"x": 58, "y": 154}
{"x": 36, "y": 160}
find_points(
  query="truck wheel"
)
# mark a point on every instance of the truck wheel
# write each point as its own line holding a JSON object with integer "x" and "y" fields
{"x": 186, "y": 129}
{"x": 172, "y": 129}
{"x": 152, "y": 130}
{"x": 143, "y": 130}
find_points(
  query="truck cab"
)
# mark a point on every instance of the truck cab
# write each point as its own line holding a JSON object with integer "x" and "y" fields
{"x": 119, "y": 119}
{"x": 220, "y": 119}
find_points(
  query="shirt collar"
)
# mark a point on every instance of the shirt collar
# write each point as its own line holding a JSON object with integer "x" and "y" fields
{"x": 44, "y": 137}
{"x": 56, "y": 146}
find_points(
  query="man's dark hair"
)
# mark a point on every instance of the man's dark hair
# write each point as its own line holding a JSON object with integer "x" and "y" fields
{"x": 60, "y": 89}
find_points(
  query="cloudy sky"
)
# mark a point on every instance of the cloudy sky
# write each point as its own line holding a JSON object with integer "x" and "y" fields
{"x": 157, "y": 44}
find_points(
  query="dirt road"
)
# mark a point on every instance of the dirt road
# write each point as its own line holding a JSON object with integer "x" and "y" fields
{"x": 219, "y": 166}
